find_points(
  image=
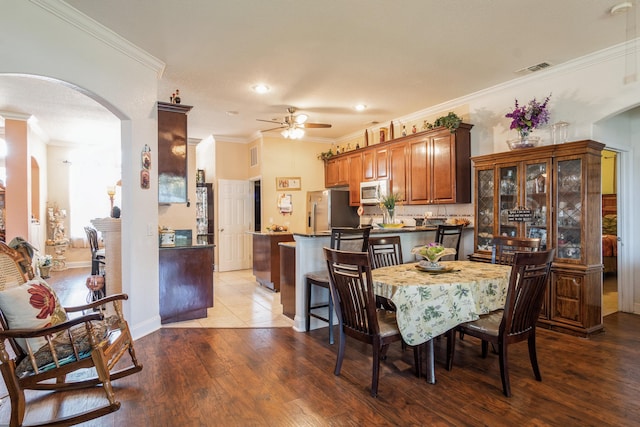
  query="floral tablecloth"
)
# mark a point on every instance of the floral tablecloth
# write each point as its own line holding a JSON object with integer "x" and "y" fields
{"x": 430, "y": 304}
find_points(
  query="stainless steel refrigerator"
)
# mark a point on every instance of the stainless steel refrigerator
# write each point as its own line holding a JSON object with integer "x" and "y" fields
{"x": 329, "y": 208}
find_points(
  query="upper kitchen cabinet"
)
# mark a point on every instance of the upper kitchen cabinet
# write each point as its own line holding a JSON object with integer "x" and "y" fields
{"x": 440, "y": 166}
{"x": 336, "y": 172}
{"x": 355, "y": 177}
{"x": 172, "y": 152}
{"x": 430, "y": 167}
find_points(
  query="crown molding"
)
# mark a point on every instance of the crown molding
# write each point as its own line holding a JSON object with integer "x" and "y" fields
{"x": 81, "y": 21}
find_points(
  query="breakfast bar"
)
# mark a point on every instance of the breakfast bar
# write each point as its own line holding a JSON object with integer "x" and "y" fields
{"x": 309, "y": 257}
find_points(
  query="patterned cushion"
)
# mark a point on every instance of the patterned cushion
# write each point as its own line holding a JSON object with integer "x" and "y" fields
{"x": 64, "y": 349}
{"x": 31, "y": 305}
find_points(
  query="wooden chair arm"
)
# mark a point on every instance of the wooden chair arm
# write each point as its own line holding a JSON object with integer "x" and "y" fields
{"x": 97, "y": 303}
{"x": 51, "y": 330}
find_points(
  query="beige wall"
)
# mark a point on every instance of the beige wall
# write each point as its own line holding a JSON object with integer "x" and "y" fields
{"x": 608, "y": 172}
{"x": 288, "y": 158}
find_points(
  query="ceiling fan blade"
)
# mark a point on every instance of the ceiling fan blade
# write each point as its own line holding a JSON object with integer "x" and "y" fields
{"x": 279, "y": 127}
{"x": 315, "y": 125}
{"x": 270, "y": 121}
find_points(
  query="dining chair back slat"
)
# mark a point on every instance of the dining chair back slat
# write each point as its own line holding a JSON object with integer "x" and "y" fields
{"x": 385, "y": 251}
{"x": 449, "y": 236}
{"x": 504, "y": 248}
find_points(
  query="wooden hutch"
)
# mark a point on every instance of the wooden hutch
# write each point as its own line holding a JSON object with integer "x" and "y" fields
{"x": 554, "y": 193}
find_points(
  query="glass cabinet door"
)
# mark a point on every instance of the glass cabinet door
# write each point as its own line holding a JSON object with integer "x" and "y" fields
{"x": 569, "y": 209}
{"x": 484, "y": 215}
{"x": 537, "y": 200}
{"x": 508, "y": 200}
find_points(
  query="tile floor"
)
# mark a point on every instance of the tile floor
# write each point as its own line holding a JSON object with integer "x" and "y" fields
{"x": 609, "y": 294}
{"x": 240, "y": 302}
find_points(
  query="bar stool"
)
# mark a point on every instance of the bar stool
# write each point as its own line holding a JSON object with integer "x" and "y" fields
{"x": 452, "y": 233}
{"x": 342, "y": 238}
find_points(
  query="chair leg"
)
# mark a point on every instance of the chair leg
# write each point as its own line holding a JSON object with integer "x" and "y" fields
{"x": 504, "y": 369}
{"x": 533, "y": 356}
{"x": 375, "y": 375}
{"x": 485, "y": 348}
{"x": 308, "y": 307}
{"x": 330, "y": 318}
{"x": 340, "y": 357}
{"x": 417, "y": 358}
{"x": 451, "y": 347}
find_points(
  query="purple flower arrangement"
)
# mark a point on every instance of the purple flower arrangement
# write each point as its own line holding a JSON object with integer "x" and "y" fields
{"x": 527, "y": 117}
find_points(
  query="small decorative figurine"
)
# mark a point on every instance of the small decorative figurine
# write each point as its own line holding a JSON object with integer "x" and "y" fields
{"x": 404, "y": 130}
{"x": 176, "y": 99}
{"x": 414, "y": 129}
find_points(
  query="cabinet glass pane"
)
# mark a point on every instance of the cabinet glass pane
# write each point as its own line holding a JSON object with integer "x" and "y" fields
{"x": 569, "y": 209}
{"x": 536, "y": 200}
{"x": 485, "y": 209}
{"x": 508, "y": 200}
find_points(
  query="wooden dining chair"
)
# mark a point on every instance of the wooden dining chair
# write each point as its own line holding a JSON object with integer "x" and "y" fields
{"x": 350, "y": 283}
{"x": 45, "y": 344}
{"x": 449, "y": 236}
{"x": 385, "y": 251}
{"x": 344, "y": 238}
{"x": 504, "y": 247}
{"x": 517, "y": 322}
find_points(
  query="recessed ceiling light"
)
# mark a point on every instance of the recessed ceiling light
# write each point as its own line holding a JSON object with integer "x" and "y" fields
{"x": 232, "y": 113}
{"x": 360, "y": 107}
{"x": 261, "y": 88}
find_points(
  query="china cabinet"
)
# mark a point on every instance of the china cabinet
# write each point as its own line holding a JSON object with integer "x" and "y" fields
{"x": 204, "y": 214}
{"x": 553, "y": 193}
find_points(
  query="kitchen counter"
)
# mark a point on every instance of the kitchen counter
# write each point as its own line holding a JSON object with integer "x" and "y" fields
{"x": 186, "y": 282}
{"x": 266, "y": 257}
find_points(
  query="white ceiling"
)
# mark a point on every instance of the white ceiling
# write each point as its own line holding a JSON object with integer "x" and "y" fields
{"x": 397, "y": 57}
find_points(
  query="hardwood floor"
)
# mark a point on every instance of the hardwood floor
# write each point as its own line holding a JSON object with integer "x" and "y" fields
{"x": 279, "y": 377}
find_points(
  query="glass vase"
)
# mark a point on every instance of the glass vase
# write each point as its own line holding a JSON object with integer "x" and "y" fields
{"x": 389, "y": 216}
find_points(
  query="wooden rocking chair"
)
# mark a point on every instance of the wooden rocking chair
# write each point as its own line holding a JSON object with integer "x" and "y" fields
{"x": 88, "y": 341}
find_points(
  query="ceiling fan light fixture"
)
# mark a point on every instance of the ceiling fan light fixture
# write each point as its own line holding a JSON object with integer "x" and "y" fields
{"x": 301, "y": 118}
{"x": 261, "y": 88}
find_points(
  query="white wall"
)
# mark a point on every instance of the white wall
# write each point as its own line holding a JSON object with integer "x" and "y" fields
{"x": 35, "y": 41}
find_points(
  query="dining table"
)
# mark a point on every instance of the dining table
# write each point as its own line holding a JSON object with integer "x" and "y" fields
{"x": 432, "y": 301}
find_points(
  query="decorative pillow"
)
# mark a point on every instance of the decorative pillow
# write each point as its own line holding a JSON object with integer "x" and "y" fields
{"x": 31, "y": 305}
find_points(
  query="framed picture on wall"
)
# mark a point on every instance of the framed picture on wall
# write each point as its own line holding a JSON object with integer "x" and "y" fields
{"x": 288, "y": 183}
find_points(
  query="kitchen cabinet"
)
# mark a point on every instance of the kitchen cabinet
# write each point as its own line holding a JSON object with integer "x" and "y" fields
{"x": 440, "y": 167}
{"x": 337, "y": 171}
{"x": 186, "y": 282}
{"x": 550, "y": 192}
{"x": 430, "y": 167}
{"x": 398, "y": 169}
{"x": 355, "y": 177}
{"x": 266, "y": 258}
{"x": 288, "y": 278}
{"x": 172, "y": 152}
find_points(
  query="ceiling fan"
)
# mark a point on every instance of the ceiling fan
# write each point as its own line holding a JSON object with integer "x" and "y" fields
{"x": 293, "y": 125}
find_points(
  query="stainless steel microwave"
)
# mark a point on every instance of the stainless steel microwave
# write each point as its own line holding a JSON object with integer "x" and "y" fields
{"x": 372, "y": 192}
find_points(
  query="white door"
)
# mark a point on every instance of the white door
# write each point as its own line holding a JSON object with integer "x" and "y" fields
{"x": 235, "y": 210}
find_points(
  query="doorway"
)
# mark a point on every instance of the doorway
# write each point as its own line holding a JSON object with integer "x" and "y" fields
{"x": 257, "y": 206}
{"x": 609, "y": 232}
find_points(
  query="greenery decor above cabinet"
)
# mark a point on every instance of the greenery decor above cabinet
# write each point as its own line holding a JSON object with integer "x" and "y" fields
{"x": 430, "y": 167}
{"x": 553, "y": 193}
